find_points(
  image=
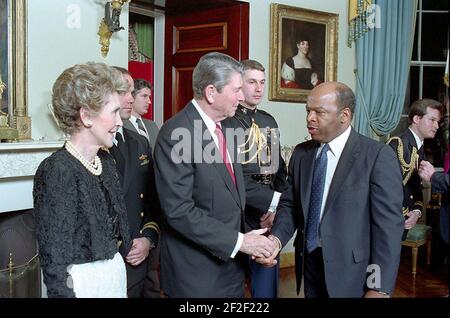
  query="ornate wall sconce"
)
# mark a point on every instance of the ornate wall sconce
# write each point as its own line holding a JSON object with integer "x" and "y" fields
{"x": 110, "y": 23}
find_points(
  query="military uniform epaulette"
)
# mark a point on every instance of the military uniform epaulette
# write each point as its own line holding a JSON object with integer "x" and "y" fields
{"x": 407, "y": 168}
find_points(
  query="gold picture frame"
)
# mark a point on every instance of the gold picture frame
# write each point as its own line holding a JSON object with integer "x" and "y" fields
{"x": 303, "y": 51}
{"x": 18, "y": 126}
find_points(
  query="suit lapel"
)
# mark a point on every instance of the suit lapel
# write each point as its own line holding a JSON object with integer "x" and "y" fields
{"x": 202, "y": 135}
{"x": 306, "y": 170}
{"x": 120, "y": 162}
{"x": 131, "y": 151}
{"x": 344, "y": 166}
{"x": 412, "y": 144}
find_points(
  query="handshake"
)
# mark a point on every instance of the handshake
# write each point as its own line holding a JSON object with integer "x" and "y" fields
{"x": 262, "y": 249}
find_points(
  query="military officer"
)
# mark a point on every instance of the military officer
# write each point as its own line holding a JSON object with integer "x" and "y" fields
{"x": 133, "y": 156}
{"x": 424, "y": 117}
{"x": 264, "y": 169}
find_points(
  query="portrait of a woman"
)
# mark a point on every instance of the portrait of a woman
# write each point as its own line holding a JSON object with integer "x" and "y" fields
{"x": 303, "y": 55}
{"x": 297, "y": 71}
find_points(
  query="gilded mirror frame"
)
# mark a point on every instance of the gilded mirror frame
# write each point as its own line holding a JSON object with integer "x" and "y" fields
{"x": 19, "y": 123}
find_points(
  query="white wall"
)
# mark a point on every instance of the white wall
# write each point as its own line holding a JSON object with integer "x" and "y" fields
{"x": 53, "y": 45}
{"x": 291, "y": 116}
{"x": 62, "y": 33}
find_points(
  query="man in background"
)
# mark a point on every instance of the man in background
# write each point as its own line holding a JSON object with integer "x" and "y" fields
{"x": 424, "y": 116}
{"x": 134, "y": 160}
{"x": 143, "y": 126}
{"x": 264, "y": 169}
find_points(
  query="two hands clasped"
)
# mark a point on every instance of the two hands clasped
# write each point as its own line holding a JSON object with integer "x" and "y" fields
{"x": 262, "y": 249}
{"x": 139, "y": 251}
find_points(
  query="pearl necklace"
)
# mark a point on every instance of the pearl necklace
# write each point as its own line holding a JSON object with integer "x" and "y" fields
{"x": 95, "y": 168}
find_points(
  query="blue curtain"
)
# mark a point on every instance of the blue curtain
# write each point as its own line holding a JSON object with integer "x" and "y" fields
{"x": 383, "y": 58}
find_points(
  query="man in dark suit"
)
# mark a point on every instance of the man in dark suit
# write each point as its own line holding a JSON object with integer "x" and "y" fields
{"x": 143, "y": 126}
{"x": 202, "y": 191}
{"x": 424, "y": 116}
{"x": 264, "y": 169}
{"x": 141, "y": 102}
{"x": 344, "y": 199}
{"x": 133, "y": 156}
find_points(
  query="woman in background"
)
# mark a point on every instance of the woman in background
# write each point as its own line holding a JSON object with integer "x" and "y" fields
{"x": 298, "y": 68}
{"x": 78, "y": 206}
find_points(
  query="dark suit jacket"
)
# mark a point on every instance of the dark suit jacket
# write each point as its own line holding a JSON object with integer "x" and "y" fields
{"x": 440, "y": 183}
{"x": 138, "y": 186}
{"x": 151, "y": 127}
{"x": 203, "y": 212}
{"x": 362, "y": 222}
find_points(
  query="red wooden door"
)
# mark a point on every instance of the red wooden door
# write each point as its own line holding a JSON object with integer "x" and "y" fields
{"x": 190, "y": 36}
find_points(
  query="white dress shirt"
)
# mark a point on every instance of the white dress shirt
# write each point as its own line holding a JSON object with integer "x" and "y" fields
{"x": 334, "y": 154}
{"x": 419, "y": 142}
{"x": 134, "y": 123}
{"x": 119, "y": 130}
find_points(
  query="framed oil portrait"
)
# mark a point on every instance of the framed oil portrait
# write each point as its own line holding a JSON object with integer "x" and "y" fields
{"x": 303, "y": 51}
{"x": 14, "y": 121}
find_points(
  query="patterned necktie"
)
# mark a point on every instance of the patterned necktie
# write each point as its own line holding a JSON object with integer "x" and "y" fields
{"x": 315, "y": 202}
{"x": 223, "y": 151}
{"x": 141, "y": 127}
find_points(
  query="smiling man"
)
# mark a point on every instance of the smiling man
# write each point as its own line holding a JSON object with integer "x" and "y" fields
{"x": 203, "y": 243}
{"x": 424, "y": 116}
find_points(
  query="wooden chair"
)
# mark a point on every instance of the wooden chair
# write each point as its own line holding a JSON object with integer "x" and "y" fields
{"x": 419, "y": 235}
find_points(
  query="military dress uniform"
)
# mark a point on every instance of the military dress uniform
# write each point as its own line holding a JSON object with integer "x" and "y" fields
{"x": 135, "y": 166}
{"x": 409, "y": 157}
{"x": 264, "y": 172}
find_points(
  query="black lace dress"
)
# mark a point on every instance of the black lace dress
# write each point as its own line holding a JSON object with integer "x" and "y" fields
{"x": 80, "y": 218}
{"x": 302, "y": 75}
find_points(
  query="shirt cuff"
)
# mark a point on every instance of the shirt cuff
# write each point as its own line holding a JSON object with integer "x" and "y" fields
{"x": 238, "y": 244}
{"x": 418, "y": 212}
{"x": 274, "y": 203}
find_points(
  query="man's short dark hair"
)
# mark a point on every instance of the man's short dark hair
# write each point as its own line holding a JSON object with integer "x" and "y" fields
{"x": 419, "y": 108}
{"x": 139, "y": 84}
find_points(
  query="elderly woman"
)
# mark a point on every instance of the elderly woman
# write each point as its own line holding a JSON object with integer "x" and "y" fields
{"x": 78, "y": 206}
